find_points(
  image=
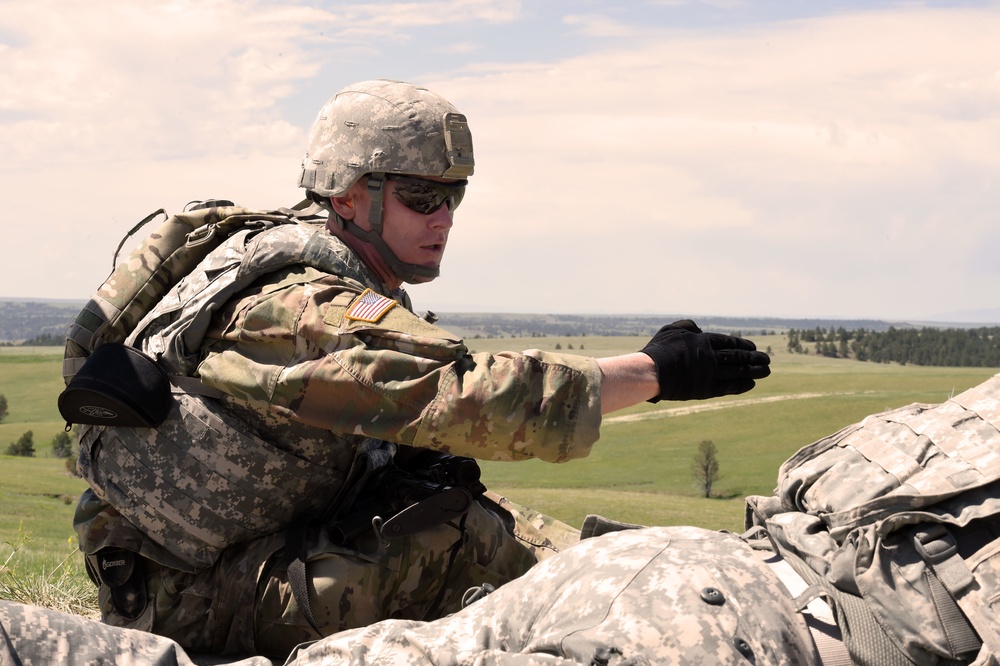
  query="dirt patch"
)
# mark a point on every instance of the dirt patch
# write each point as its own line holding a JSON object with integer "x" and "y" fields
{"x": 667, "y": 412}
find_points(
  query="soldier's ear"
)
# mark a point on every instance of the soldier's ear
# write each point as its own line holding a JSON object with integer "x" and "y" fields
{"x": 344, "y": 206}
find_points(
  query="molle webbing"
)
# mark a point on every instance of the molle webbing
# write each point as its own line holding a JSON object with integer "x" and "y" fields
{"x": 173, "y": 331}
{"x": 903, "y": 511}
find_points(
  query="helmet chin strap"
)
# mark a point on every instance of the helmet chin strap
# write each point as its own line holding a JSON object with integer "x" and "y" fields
{"x": 412, "y": 273}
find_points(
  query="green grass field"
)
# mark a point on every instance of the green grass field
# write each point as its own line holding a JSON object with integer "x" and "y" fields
{"x": 31, "y": 379}
{"x": 39, "y": 560}
{"x": 640, "y": 469}
{"x": 37, "y": 495}
{"x": 638, "y": 472}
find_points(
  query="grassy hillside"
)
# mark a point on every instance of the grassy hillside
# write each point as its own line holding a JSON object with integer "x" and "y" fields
{"x": 38, "y": 491}
{"x": 37, "y": 498}
{"x": 37, "y": 495}
{"x": 39, "y": 560}
{"x": 640, "y": 469}
{"x": 31, "y": 379}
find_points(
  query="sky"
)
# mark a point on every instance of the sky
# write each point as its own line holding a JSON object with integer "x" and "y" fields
{"x": 756, "y": 159}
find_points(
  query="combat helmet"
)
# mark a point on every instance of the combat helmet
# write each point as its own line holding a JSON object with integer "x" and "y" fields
{"x": 379, "y": 128}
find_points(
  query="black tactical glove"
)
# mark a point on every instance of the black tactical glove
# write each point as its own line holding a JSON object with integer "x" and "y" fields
{"x": 692, "y": 365}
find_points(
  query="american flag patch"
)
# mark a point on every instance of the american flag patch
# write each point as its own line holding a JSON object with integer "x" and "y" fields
{"x": 369, "y": 307}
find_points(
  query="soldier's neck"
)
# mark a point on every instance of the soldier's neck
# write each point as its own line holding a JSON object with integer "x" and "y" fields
{"x": 371, "y": 258}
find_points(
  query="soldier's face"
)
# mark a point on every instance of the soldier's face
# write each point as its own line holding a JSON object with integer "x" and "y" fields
{"x": 413, "y": 237}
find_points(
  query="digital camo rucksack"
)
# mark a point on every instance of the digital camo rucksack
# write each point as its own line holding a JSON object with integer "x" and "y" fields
{"x": 896, "y": 520}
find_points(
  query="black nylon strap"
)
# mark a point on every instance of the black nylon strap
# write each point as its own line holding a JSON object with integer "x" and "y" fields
{"x": 962, "y": 639}
{"x": 295, "y": 568}
{"x": 456, "y": 547}
{"x": 140, "y": 225}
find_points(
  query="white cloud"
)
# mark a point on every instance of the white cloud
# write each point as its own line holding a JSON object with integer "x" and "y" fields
{"x": 97, "y": 81}
{"x": 461, "y": 48}
{"x": 187, "y": 77}
{"x": 597, "y": 25}
{"x": 803, "y": 168}
{"x": 407, "y": 15}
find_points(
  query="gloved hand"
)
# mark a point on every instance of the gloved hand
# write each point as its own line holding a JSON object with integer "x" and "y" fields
{"x": 692, "y": 365}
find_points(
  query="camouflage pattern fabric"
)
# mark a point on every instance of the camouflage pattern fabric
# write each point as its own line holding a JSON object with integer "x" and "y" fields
{"x": 389, "y": 127}
{"x": 400, "y": 379}
{"x": 33, "y": 636}
{"x": 365, "y": 583}
{"x": 543, "y": 534}
{"x": 141, "y": 281}
{"x": 671, "y": 595}
{"x": 204, "y": 481}
{"x": 244, "y": 605}
{"x": 207, "y": 611}
{"x": 902, "y": 510}
{"x": 668, "y": 595}
{"x": 306, "y": 387}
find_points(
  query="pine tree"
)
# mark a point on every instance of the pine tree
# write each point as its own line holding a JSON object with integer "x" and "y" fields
{"x": 25, "y": 446}
{"x": 705, "y": 466}
{"x": 62, "y": 445}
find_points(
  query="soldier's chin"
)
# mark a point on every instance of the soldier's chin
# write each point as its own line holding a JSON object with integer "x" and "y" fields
{"x": 423, "y": 279}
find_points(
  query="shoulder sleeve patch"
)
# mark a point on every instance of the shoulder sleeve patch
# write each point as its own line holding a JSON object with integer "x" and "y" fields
{"x": 369, "y": 307}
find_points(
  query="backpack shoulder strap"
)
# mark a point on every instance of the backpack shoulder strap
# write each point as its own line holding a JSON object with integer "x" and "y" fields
{"x": 137, "y": 284}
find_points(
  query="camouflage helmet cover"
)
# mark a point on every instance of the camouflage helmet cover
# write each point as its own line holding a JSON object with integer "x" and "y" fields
{"x": 385, "y": 126}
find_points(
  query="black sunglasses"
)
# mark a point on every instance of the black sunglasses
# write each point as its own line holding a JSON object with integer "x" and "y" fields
{"x": 426, "y": 196}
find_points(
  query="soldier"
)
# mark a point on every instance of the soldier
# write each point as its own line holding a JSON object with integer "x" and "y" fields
{"x": 311, "y": 475}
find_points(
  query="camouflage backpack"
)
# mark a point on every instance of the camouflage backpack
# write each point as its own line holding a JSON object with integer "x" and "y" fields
{"x": 136, "y": 285}
{"x": 199, "y": 479}
{"x": 896, "y": 520}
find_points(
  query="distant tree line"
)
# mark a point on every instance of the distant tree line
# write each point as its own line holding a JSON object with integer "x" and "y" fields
{"x": 62, "y": 446}
{"x": 41, "y": 340}
{"x": 496, "y": 325}
{"x": 952, "y": 347}
{"x": 62, "y": 443}
{"x": 23, "y": 320}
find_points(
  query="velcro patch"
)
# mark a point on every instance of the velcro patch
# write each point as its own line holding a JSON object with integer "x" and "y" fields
{"x": 369, "y": 307}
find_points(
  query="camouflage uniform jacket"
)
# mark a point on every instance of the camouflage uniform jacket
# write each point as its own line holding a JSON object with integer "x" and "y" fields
{"x": 289, "y": 350}
{"x": 311, "y": 383}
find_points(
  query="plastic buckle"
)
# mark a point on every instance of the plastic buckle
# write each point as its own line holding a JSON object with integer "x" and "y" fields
{"x": 201, "y": 235}
{"x": 935, "y": 544}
